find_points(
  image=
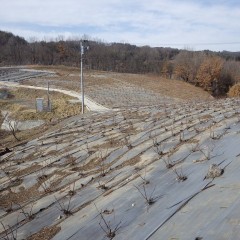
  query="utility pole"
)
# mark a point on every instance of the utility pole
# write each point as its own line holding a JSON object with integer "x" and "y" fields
{"x": 82, "y": 84}
{"x": 48, "y": 103}
{"x": 82, "y": 48}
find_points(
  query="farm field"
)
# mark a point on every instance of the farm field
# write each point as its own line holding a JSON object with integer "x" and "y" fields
{"x": 166, "y": 169}
{"x": 116, "y": 90}
{"x": 104, "y": 90}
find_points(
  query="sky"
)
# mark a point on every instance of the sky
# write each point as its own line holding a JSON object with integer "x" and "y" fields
{"x": 183, "y": 24}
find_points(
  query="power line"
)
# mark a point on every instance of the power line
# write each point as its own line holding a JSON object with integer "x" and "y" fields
{"x": 183, "y": 44}
{"x": 226, "y": 43}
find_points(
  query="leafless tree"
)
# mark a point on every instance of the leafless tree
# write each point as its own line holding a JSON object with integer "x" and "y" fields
{"x": 12, "y": 125}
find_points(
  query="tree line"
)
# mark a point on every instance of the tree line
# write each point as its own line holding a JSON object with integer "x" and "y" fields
{"x": 213, "y": 71}
{"x": 210, "y": 71}
{"x": 115, "y": 57}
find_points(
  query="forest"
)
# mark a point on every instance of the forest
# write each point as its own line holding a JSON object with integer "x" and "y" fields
{"x": 215, "y": 72}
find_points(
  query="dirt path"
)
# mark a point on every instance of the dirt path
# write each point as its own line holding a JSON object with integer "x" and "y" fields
{"x": 91, "y": 105}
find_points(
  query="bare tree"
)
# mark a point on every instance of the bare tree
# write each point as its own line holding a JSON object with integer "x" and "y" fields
{"x": 12, "y": 125}
{"x": 187, "y": 64}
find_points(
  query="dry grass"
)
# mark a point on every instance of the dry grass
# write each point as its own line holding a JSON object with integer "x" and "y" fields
{"x": 234, "y": 91}
{"x": 12, "y": 106}
{"x": 168, "y": 87}
{"x": 60, "y": 109}
{"x": 29, "y": 94}
{"x": 45, "y": 233}
{"x": 21, "y": 197}
{"x": 22, "y": 105}
{"x": 27, "y": 170}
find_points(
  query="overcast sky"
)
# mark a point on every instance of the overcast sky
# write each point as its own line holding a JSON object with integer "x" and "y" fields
{"x": 194, "y": 24}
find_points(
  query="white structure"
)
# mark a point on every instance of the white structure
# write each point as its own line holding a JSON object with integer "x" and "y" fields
{"x": 39, "y": 104}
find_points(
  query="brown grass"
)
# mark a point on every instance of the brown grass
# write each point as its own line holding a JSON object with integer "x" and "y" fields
{"x": 25, "y": 195}
{"x": 23, "y": 105}
{"x": 234, "y": 91}
{"x": 27, "y": 170}
{"x": 45, "y": 233}
{"x": 168, "y": 87}
{"x": 60, "y": 109}
{"x": 29, "y": 94}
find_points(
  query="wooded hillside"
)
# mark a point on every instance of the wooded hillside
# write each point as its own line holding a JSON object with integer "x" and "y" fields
{"x": 213, "y": 71}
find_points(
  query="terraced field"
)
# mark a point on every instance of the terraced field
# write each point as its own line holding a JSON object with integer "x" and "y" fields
{"x": 120, "y": 90}
{"x": 16, "y": 74}
{"x": 166, "y": 171}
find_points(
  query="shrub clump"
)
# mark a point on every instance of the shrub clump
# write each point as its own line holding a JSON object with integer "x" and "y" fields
{"x": 234, "y": 91}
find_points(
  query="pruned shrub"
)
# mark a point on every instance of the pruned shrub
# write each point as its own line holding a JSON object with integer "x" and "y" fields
{"x": 234, "y": 91}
